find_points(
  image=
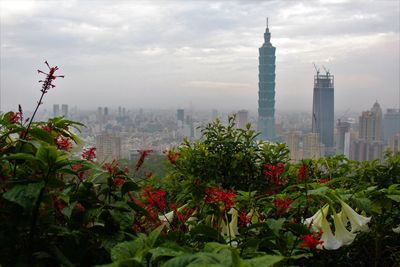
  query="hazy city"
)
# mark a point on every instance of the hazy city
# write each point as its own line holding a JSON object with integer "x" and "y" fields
{"x": 150, "y": 74}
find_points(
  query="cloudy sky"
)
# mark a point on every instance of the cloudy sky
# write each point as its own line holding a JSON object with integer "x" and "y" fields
{"x": 202, "y": 54}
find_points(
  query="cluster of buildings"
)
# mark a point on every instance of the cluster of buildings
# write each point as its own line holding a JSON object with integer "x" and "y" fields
{"x": 365, "y": 139}
{"x": 121, "y": 133}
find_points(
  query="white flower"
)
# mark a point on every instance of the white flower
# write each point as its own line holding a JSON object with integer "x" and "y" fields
{"x": 330, "y": 242}
{"x": 233, "y": 225}
{"x": 167, "y": 218}
{"x": 397, "y": 229}
{"x": 230, "y": 229}
{"x": 341, "y": 232}
{"x": 357, "y": 221}
{"x": 316, "y": 219}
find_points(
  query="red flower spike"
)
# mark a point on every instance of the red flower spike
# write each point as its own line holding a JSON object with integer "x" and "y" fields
{"x": 172, "y": 156}
{"x": 143, "y": 154}
{"x": 63, "y": 143}
{"x": 214, "y": 195}
{"x": 282, "y": 205}
{"x": 155, "y": 199}
{"x": 89, "y": 154}
{"x": 118, "y": 181}
{"x": 273, "y": 173}
{"x": 311, "y": 241}
{"x": 302, "y": 173}
{"x": 50, "y": 77}
{"x": 244, "y": 219}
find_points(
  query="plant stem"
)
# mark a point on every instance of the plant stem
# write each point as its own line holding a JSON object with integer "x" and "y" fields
{"x": 33, "y": 115}
{"x": 35, "y": 215}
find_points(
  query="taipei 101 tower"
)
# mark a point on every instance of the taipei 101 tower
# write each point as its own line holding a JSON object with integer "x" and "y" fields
{"x": 266, "y": 89}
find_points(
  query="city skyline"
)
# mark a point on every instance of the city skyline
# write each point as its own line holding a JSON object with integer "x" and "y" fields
{"x": 202, "y": 54}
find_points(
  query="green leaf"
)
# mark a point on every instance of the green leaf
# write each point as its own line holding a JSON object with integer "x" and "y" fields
{"x": 151, "y": 240}
{"x": 127, "y": 250}
{"x": 24, "y": 195}
{"x": 129, "y": 186}
{"x": 394, "y": 197}
{"x": 47, "y": 154}
{"x": 265, "y": 261}
{"x": 21, "y": 156}
{"x": 167, "y": 250}
{"x": 363, "y": 204}
{"x": 275, "y": 225}
{"x": 42, "y": 135}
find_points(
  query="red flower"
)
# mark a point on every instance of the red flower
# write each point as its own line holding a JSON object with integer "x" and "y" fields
{"x": 46, "y": 128}
{"x": 50, "y": 77}
{"x": 143, "y": 154}
{"x": 311, "y": 241}
{"x": 63, "y": 143}
{"x": 14, "y": 117}
{"x": 244, "y": 219}
{"x": 183, "y": 215}
{"x": 214, "y": 195}
{"x": 155, "y": 198}
{"x": 118, "y": 181}
{"x": 273, "y": 173}
{"x": 89, "y": 154}
{"x": 302, "y": 174}
{"x": 77, "y": 167}
{"x": 282, "y": 205}
{"x": 111, "y": 167}
{"x": 323, "y": 180}
{"x": 79, "y": 207}
{"x": 172, "y": 156}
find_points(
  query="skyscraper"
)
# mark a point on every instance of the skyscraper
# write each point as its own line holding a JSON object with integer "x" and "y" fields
{"x": 323, "y": 110}
{"x": 266, "y": 88}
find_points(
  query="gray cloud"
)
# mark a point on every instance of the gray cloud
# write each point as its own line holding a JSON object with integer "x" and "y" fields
{"x": 169, "y": 54}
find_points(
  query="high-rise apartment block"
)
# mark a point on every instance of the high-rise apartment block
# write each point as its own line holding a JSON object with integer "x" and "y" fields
{"x": 343, "y": 138}
{"x": 293, "y": 141}
{"x": 391, "y": 124}
{"x": 56, "y": 110}
{"x": 312, "y": 147}
{"x": 64, "y": 110}
{"x": 369, "y": 144}
{"x": 266, "y": 88}
{"x": 242, "y": 118}
{"x": 323, "y": 109}
{"x": 108, "y": 147}
{"x": 180, "y": 115}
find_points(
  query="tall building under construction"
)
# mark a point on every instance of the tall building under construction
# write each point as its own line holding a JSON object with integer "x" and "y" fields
{"x": 266, "y": 89}
{"x": 323, "y": 109}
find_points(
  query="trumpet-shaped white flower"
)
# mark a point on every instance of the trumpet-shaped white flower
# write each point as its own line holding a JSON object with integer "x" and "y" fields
{"x": 233, "y": 225}
{"x": 230, "y": 228}
{"x": 167, "y": 218}
{"x": 330, "y": 242}
{"x": 316, "y": 219}
{"x": 341, "y": 233}
{"x": 357, "y": 221}
{"x": 397, "y": 229}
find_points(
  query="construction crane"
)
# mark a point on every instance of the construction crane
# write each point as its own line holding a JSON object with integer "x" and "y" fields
{"x": 316, "y": 69}
{"x": 326, "y": 71}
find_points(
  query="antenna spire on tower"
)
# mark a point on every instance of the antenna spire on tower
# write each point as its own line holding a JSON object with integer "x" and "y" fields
{"x": 267, "y": 22}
